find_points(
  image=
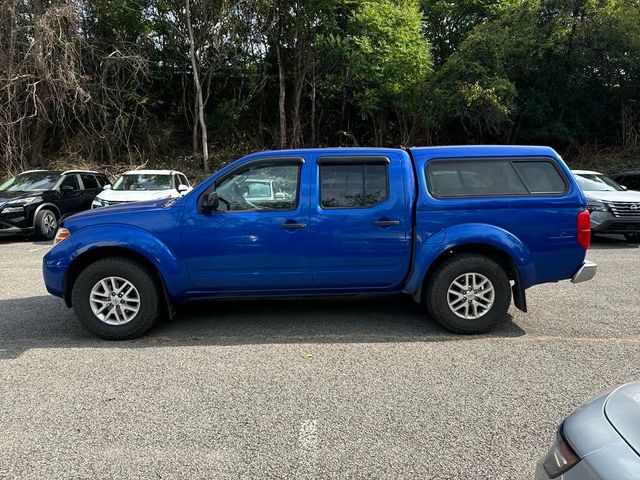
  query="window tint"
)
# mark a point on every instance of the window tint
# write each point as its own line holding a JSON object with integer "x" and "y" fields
{"x": 183, "y": 180}
{"x": 89, "y": 181}
{"x": 70, "y": 181}
{"x": 540, "y": 177}
{"x": 262, "y": 187}
{"x": 352, "y": 185}
{"x": 460, "y": 178}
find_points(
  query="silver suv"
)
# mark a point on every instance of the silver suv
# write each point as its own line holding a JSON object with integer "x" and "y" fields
{"x": 614, "y": 209}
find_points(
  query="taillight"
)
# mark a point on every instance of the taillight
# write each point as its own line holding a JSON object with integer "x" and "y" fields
{"x": 584, "y": 229}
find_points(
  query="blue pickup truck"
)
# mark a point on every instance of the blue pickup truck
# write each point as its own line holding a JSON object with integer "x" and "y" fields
{"x": 463, "y": 230}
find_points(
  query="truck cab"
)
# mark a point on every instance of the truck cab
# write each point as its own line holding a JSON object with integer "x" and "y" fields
{"x": 460, "y": 229}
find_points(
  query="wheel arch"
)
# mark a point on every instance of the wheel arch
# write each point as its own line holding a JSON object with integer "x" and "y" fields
{"x": 90, "y": 256}
{"x": 47, "y": 206}
{"x": 495, "y": 253}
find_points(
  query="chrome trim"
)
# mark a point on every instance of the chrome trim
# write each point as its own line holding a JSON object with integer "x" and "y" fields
{"x": 586, "y": 272}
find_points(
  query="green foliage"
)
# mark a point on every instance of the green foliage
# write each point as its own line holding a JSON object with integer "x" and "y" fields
{"x": 386, "y": 72}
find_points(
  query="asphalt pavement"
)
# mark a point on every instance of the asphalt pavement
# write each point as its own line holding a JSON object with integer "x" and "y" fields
{"x": 359, "y": 388}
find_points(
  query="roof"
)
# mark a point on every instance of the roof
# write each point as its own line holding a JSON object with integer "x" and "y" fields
{"x": 630, "y": 172}
{"x": 151, "y": 172}
{"x": 586, "y": 172}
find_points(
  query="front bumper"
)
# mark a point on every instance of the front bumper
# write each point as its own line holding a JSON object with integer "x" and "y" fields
{"x": 10, "y": 229}
{"x": 605, "y": 222}
{"x": 586, "y": 272}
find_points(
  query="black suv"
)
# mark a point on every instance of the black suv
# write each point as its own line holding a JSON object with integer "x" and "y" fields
{"x": 631, "y": 180}
{"x": 34, "y": 201}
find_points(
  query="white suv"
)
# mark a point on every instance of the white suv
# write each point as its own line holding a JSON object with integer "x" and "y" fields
{"x": 142, "y": 186}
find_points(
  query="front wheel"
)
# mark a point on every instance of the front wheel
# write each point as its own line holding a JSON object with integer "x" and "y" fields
{"x": 46, "y": 224}
{"x": 468, "y": 294}
{"x": 116, "y": 298}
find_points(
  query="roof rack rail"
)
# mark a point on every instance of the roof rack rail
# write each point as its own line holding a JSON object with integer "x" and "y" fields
{"x": 78, "y": 171}
{"x": 31, "y": 171}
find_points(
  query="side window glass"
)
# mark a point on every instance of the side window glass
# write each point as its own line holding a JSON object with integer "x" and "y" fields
{"x": 353, "y": 185}
{"x": 70, "y": 182}
{"x": 540, "y": 177}
{"x": 184, "y": 180}
{"x": 263, "y": 187}
{"x": 461, "y": 178}
{"x": 89, "y": 181}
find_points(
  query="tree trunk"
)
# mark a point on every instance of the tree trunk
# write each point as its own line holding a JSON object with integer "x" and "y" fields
{"x": 281, "y": 99}
{"x": 198, "y": 87}
{"x": 313, "y": 108}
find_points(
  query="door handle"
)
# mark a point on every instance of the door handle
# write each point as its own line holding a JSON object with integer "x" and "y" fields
{"x": 287, "y": 225}
{"x": 386, "y": 223}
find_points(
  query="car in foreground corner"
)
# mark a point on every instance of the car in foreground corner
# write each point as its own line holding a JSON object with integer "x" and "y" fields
{"x": 614, "y": 209}
{"x": 599, "y": 441}
{"x": 33, "y": 202}
{"x": 143, "y": 186}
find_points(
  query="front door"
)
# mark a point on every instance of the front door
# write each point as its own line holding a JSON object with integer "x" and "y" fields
{"x": 258, "y": 239}
{"x": 361, "y": 223}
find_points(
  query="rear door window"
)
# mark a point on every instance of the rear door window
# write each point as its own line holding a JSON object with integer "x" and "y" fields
{"x": 353, "y": 184}
{"x": 89, "y": 181}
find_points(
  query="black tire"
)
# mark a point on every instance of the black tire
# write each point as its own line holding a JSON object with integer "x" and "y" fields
{"x": 138, "y": 276}
{"x": 633, "y": 237}
{"x": 46, "y": 224}
{"x": 437, "y": 293}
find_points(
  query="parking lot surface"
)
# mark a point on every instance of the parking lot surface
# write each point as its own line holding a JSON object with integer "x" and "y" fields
{"x": 360, "y": 388}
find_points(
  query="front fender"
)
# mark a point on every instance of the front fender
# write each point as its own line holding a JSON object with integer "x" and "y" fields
{"x": 470, "y": 234}
{"x": 137, "y": 240}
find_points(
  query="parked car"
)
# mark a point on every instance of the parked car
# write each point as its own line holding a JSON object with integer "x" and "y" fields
{"x": 461, "y": 229}
{"x": 143, "y": 186}
{"x": 599, "y": 441}
{"x": 614, "y": 209}
{"x": 630, "y": 180}
{"x": 34, "y": 201}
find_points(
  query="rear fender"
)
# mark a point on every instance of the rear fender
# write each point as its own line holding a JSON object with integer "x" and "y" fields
{"x": 466, "y": 237}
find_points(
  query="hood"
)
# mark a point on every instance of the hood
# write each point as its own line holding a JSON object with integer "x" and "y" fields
{"x": 116, "y": 211}
{"x": 623, "y": 412}
{"x": 135, "y": 195}
{"x": 627, "y": 196}
{"x": 6, "y": 196}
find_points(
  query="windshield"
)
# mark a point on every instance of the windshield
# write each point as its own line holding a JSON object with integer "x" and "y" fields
{"x": 143, "y": 181}
{"x": 591, "y": 182}
{"x": 30, "y": 182}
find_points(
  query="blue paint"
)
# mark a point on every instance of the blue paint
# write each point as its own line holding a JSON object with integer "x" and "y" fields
{"x": 223, "y": 254}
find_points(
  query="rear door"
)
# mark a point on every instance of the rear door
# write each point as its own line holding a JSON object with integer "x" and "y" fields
{"x": 360, "y": 223}
{"x": 90, "y": 188}
{"x": 70, "y": 199}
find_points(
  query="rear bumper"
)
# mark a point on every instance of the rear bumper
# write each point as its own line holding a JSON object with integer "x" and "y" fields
{"x": 586, "y": 272}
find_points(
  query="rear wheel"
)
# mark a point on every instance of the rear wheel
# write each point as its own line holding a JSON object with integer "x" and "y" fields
{"x": 116, "y": 298}
{"x": 633, "y": 237}
{"x": 46, "y": 224}
{"x": 469, "y": 294}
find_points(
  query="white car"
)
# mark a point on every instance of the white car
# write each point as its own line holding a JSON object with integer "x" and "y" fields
{"x": 613, "y": 208}
{"x": 142, "y": 186}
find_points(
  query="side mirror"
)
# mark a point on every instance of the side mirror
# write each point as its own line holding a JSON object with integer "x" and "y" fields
{"x": 280, "y": 196}
{"x": 67, "y": 189}
{"x": 182, "y": 188}
{"x": 210, "y": 202}
{"x": 107, "y": 187}
{"x": 624, "y": 188}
